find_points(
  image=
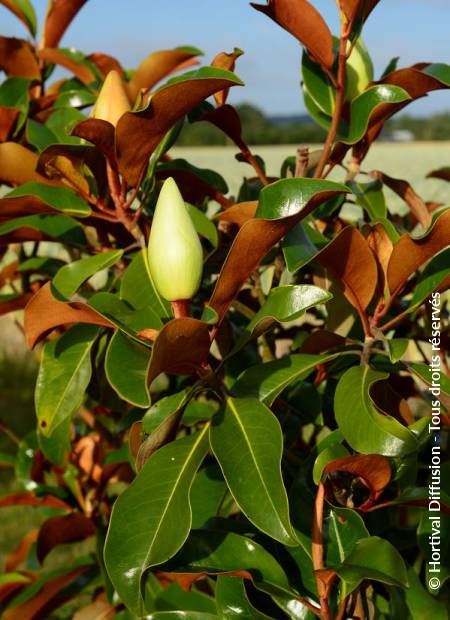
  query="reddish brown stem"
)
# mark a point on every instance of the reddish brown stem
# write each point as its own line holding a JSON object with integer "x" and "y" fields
{"x": 251, "y": 159}
{"x": 114, "y": 185}
{"x": 339, "y": 103}
{"x": 317, "y": 551}
{"x": 180, "y": 308}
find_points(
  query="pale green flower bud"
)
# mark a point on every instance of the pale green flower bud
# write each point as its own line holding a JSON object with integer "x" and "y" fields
{"x": 174, "y": 250}
{"x": 359, "y": 70}
{"x": 112, "y": 101}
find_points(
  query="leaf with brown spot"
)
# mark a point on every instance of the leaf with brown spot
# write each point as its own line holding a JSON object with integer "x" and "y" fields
{"x": 159, "y": 65}
{"x": 59, "y": 15}
{"x": 18, "y": 165}
{"x": 58, "y": 57}
{"x": 16, "y": 557}
{"x": 373, "y": 470}
{"x": 403, "y": 189}
{"x": 61, "y": 530}
{"x": 44, "y": 313}
{"x": 228, "y": 62}
{"x": 48, "y": 597}
{"x": 28, "y": 499}
{"x": 139, "y": 133}
{"x": 305, "y": 23}
{"x": 239, "y": 213}
{"x": 410, "y": 254}
{"x": 17, "y": 58}
{"x": 351, "y": 261}
{"x": 181, "y": 348}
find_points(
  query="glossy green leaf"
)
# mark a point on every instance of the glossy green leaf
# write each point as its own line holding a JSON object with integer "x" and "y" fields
{"x": 215, "y": 551}
{"x": 205, "y": 73}
{"x": 164, "y": 408}
{"x": 61, "y": 123}
{"x": 41, "y": 264}
{"x": 365, "y": 429}
{"x": 318, "y": 85}
{"x": 331, "y": 452}
{"x": 59, "y": 198}
{"x": 70, "y": 277}
{"x": 24, "y": 10}
{"x": 372, "y": 558}
{"x": 207, "y": 493}
{"x": 203, "y": 225}
{"x": 284, "y": 304}
{"x": 156, "y": 501}
{"x": 232, "y": 601}
{"x": 365, "y": 105}
{"x": 287, "y": 303}
{"x": 397, "y": 348}
{"x": 39, "y": 136}
{"x": 300, "y": 245}
{"x": 345, "y": 529}
{"x": 57, "y": 227}
{"x": 125, "y": 318}
{"x": 267, "y": 381}
{"x": 322, "y": 119}
{"x": 75, "y": 98}
{"x": 138, "y": 290}
{"x": 14, "y": 93}
{"x": 64, "y": 374}
{"x": 126, "y": 366}
{"x": 440, "y": 71}
{"x": 247, "y": 441}
{"x": 431, "y": 278}
{"x": 289, "y": 196}
{"x": 370, "y": 197}
{"x": 421, "y": 604}
{"x": 180, "y": 615}
{"x": 174, "y": 598}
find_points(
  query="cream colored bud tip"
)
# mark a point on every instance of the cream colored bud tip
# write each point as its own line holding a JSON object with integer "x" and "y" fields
{"x": 112, "y": 101}
{"x": 174, "y": 250}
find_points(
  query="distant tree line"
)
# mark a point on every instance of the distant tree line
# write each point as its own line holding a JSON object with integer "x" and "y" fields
{"x": 261, "y": 129}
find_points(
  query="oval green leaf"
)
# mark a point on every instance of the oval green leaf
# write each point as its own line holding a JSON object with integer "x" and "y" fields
{"x": 247, "y": 441}
{"x": 156, "y": 501}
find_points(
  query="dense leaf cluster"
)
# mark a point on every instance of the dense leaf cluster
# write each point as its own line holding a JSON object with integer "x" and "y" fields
{"x": 259, "y": 451}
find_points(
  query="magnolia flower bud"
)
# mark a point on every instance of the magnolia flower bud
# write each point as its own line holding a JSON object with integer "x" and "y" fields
{"x": 174, "y": 249}
{"x": 112, "y": 101}
{"x": 359, "y": 71}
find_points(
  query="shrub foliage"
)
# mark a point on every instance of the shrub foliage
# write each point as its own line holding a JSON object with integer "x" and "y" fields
{"x": 259, "y": 451}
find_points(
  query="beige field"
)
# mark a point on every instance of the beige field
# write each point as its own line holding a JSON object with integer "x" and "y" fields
{"x": 410, "y": 161}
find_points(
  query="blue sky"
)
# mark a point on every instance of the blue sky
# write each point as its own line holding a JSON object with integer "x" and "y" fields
{"x": 417, "y": 30}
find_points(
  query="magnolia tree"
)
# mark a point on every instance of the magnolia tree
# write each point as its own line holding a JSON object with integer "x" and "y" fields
{"x": 237, "y": 396}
